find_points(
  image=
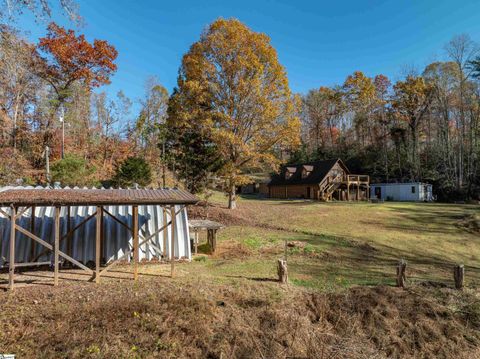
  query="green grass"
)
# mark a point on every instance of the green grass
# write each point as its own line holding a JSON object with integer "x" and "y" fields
{"x": 347, "y": 244}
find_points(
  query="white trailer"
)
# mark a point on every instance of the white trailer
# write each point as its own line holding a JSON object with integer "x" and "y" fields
{"x": 413, "y": 192}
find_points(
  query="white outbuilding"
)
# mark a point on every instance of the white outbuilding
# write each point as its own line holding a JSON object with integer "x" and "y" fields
{"x": 413, "y": 191}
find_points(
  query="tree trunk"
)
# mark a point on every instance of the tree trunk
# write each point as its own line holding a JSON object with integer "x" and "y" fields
{"x": 232, "y": 197}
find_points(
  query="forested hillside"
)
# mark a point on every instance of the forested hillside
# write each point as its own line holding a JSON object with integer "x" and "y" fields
{"x": 232, "y": 111}
{"x": 423, "y": 127}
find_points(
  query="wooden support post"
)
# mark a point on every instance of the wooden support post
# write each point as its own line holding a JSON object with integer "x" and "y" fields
{"x": 214, "y": 240}
{"x": 282, "y": 271}
{"x": 458, "y": 276}
{"x": 165, "y": 233}
{"x": 98, "y": 238}
{"x": 358, "y": 191}
{"x": 69, "y": 228}
{"x": 32, "y": 229}
{"x": 172, "y": 242}
{"x": 136, "y": 250}
{"x": 196, "y": 241}
{"x": 401, "y": 276}
{"x": 56, "y": 247}
{"x": 102, "y": 238}
{"x": 11, "y": 262}
{"x": 348, "y": 191}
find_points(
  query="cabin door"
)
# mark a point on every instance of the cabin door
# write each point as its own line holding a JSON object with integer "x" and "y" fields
{"x": 309, "y": 192}
{"x": 378, "y": 192}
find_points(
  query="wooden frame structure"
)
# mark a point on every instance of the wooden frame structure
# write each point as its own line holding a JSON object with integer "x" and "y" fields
{"x": 19, "y": 201}
{"x": 210, "y": 226}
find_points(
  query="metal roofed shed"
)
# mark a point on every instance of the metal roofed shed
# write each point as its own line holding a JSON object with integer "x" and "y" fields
{"x": 412, "y": 191}
{"x": 92, "y": 226}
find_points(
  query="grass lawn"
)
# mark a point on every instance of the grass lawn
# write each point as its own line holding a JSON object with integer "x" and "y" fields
{"x": 343, "y": 244}
{"x": 229, "y": 305}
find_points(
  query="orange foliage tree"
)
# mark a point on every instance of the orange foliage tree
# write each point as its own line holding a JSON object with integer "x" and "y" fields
{"x": 64, "y": 60}
{"x": 70, "y": 58}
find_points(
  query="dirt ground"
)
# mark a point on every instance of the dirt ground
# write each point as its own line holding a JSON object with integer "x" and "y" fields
{"x": 186, "y": 317}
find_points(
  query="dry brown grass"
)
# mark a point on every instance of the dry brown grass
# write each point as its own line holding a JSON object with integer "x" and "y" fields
{"x": 197, "y": 319}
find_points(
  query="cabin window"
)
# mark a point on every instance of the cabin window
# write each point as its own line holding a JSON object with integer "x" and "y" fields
{"x": 413, "y": 189}
{"x": 306, "y": 170}
{"x": 289, "y": 172}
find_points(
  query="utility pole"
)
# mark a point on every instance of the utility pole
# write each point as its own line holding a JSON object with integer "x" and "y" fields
{"x": 62, "y": 120}
{"x": 47, "y": 162}
{"x": 163, "y": 164}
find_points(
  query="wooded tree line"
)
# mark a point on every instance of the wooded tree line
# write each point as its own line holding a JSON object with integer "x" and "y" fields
{"x": 424, "y": 127}
{"x": 232, "y": 112}
{"x": 47, "y": 88}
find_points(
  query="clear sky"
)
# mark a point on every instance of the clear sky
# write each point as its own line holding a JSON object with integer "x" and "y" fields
{"x": 319, "y": 42}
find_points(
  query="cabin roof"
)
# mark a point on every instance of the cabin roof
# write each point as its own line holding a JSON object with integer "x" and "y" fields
{"x": 319, "y": 170}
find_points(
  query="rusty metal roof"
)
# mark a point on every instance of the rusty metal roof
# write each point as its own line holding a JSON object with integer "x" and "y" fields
{"x": 94, "y": 197}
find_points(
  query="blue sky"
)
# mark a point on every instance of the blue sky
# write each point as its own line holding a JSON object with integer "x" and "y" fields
{"x": 319, "y": 42}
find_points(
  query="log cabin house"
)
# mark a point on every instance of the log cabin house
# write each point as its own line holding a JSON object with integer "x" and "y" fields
{"x": 320, "y": 180}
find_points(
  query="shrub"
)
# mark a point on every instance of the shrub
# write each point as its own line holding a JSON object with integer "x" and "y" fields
{"x": 72, "y": 171}
{"x": 133, "y": 170}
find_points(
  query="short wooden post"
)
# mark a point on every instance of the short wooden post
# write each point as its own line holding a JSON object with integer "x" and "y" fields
{"x": 458, "y": 276}
{"x": 196, "y": 241}
{"x": 32, "y": 230}
{"x": 102, "y": 238}
{"x": 11, "y": 262}
{"x": 165, "y": 234}
{"x": 401, "y": 276}
{"x": 69, "y": 237}
{"x": 56, "y": 249}
{"x": 282, "y": 271}
{"x": 172, "y": 242}
{"x": 136, "y": 252}
{"x": 214, "y": 240}
{"x": 98, "y": 245}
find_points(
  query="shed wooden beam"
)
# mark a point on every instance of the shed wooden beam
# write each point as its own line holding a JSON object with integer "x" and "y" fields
{"x": 172, "y": 242}
{"x": 68, "y": 234}
{"x": 11, "y": 263}
{"x": 136, "y": 254}
{"x": 165, "y": 234}
{"x": 4, "y": 213}
{"x": 117, "y": 220}
{"x": 32, "y": 229}
{"x": 98, "y": 238}
{"x": 56, "y": 246}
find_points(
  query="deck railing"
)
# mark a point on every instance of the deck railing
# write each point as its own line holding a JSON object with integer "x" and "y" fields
{"x": 357, "y": 178}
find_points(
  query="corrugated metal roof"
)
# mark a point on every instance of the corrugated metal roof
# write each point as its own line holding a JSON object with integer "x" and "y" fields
{"x": 76, "y": 196}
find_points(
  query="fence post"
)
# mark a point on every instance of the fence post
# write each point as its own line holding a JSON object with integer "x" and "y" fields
{"x": 282, "y": 271}
{"x": 401, "y": 276}
{"x": 458, "y": 276}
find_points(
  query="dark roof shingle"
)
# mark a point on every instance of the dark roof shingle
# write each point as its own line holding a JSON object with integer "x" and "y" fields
{"x": 318, "y": 173}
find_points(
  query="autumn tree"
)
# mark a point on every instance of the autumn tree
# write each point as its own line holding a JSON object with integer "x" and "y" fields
{"x": 17, "y": 81}
{"x": 360, "y": 96}
{"x": 152, "y": 117}
{"x": 231, "y": 84}
{"x": 412, "y": 99}
{"x": 323, "y": 110}
{"x": 68, "y": 59}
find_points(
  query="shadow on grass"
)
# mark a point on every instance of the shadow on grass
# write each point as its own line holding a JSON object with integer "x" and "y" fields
{"x": 256, "y": 279}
